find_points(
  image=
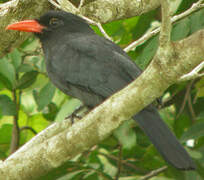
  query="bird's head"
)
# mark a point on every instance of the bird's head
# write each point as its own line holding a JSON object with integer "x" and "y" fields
{"x": 52, "y": 22}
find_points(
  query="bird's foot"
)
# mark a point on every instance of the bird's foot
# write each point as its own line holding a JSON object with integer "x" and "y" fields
{"x": 74, "y": 114}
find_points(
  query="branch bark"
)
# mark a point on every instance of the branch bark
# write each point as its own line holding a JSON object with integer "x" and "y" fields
{"x": 57, "y": 144}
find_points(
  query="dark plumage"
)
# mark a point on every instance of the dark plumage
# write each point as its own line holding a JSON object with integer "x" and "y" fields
{"x": 91, "y": 68}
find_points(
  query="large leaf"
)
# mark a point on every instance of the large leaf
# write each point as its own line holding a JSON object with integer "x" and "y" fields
{"x": 44, "y": 97}
{"x": 181, "y": 29}
{"x": 7, "y": 106}
{"x": 16, "y": 59}
{"x": 7, "y": 73}
{"x": 197, "y": 21}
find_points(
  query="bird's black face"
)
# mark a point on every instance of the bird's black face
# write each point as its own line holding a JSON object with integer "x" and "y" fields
{"x": 52, "y": 23}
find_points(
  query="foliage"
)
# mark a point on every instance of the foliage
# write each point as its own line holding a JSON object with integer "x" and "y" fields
{"x": 27, "y": 94}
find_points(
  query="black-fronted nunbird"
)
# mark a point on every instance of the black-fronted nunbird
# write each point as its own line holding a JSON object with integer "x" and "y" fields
{"x": 91, "y": 68}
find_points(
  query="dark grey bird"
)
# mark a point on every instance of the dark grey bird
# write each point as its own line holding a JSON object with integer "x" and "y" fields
{"x": 91, "y": 68}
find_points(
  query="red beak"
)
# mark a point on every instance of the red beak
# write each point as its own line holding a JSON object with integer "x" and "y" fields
{"x": 27, "y": 26}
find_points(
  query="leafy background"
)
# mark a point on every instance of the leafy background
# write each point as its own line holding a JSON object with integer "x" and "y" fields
{"x": 28, "y": 98}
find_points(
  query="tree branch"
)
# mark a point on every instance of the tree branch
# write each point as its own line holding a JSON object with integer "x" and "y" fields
{"x": 194, "y": 73}
{"x": 52, "y": 148}
{"x": 154, "y": 173}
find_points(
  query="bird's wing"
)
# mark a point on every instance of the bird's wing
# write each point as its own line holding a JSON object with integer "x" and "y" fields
{"x": 96, "y": 65}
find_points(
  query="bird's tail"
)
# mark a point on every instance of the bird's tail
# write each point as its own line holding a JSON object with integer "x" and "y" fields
{"x": 163, "y": 139}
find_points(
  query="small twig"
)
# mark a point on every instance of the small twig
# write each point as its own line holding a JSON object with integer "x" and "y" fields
{"x": 77, "y": 10}
{"x": 154, "y": 173}
{"x": 191, "y": 109}
{"x": 90, "y": 21}
{"x": 141, "y": 40}
{"x": 55, "y": 4}
{"x": 185, "y": 98}
{"x": 8, "y": 4}
{"x": 5, "y": 6}
{"x": 194, "y": 73}
{"x": 67, "y": 6}
{"x": 124, "y": 162}
{"x": 196, "y": 6}
{"x": 28, "y": 128}
{"x": 15, "y": 131}
{"x": 119, "y": 163}
{"x": 81, "y": 4}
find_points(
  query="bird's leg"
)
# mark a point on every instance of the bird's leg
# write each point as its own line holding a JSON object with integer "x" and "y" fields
{"x": 74, "y": 114}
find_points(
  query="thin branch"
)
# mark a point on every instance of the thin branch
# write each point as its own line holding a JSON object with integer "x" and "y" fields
{"x": 154, "y": 173}
{"x": 90, "y": 21}
{"x": 165, "y": 34}
{"x": 187, "y": 94}
{"x": 15, "y": 131}
{"x": 62, "y": 5}
{"x": 196, "y": 6}
{"x": 5, "y": 6}
{"x": 141, "y": 40}
{"x": 194, "y": 73}
{"x": 119, "y": 163}
{"x": 124, "y": 162}
{"x": 54, "y": 4}
{"x": 191, "y": 109}
{"x": 81, "y": 4}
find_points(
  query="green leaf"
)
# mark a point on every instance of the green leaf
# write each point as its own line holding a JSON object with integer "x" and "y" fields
{"x": 44, "y": 97}
{"x": 197, "y": 21}
{"x": 7, "y": 106}
{"x": 126, "y": 135}
{"x": 148, "y": 53}
{"x": 194, "y": 132}
{"x": 25, "y": 68}
{"x": 27, "y": 79}
{"x": 7, "y": 73}
{"x": 15, "y": 58}
{"x": 181, "y": 29}
{"x": 5, "y": 131}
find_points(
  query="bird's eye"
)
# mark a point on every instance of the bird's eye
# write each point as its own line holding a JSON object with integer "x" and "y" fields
{"x": 55, "y": 22}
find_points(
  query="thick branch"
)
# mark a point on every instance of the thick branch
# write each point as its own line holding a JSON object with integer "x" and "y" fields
{"x": 106, "y": 11}
{"x": 100, "y": 10}
{"x": 98, "y": 124}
